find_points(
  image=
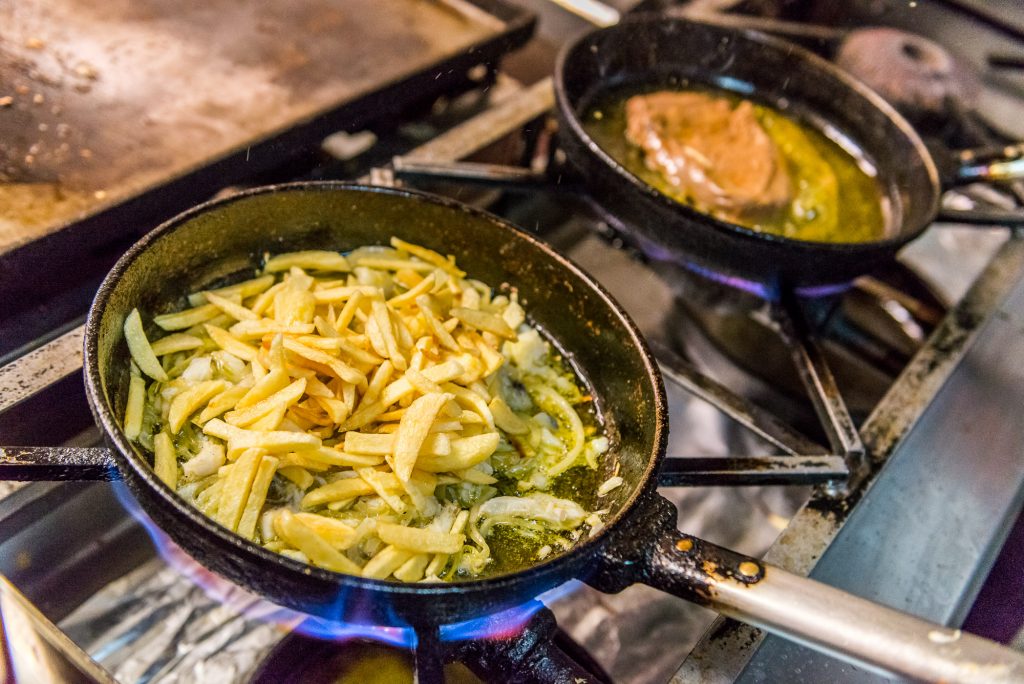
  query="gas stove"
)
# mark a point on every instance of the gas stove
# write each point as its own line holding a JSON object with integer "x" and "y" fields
{"x": 867, "y": 439}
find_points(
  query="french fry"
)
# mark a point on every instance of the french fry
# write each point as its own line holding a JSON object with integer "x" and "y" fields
{"x": 482, "y": 320}
{"x": 419, "y": 539}
{"x": 242, "y": 290}
{"x": 337, "y": 366}
{"x": 412, "y": 569}
{"x": 385, "y": 444}
{"x": 134, "y": 407}
{"x": 342, "y": 459}
{"x": 414, "y": 429}
{"x": 334, "y": 532}
{"x": 310, "y": 260}
{"x": 175, "y": 343}
{"x": 302, "y": 478}
{"x": 230, "y": 343}
{"x": 189, "y": 318}
{"x": 284, "y": 397}
{"x": 225, "y": 401}
{"x": 294, "y": 305}
{"x": 401, "y": 388}
{"x": 429, "y": 256}
{"x": 386, "y": 486}
{"x": 385, "y": 264}
{"x": 140, "y": 349}
{"x": 165, "y": 461}
{"x": 236, "y": 488}
{"x": 409, "y": 296}
{"x": 188, "y": 402}
{"x": 337, "y": 491}
{"x": 318, "y": 550}
{"x": 274, "y": 381}
{"x": 233, "y": 309}
{"x": 465, "y": 453}
{"x": 506, "y": 419}
{"x": 257, "y": 329}
{"x": 273, "y": 441}
{"x": 337, "y": 295}
{"x": 257, "y": 496}
{"x": 389, "y": 559}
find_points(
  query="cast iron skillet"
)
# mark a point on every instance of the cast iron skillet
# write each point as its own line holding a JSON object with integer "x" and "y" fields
{"x": 647, "y": 52}
{"x": 225, "y": 238}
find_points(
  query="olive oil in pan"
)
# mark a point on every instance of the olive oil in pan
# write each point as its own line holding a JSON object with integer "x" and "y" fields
{"x": 835, "y": 196}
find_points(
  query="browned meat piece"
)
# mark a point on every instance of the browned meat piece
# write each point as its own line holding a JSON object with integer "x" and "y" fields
{"x": 713, "y": 152}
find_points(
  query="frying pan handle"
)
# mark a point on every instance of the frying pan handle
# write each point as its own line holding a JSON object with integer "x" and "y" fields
{"x": 817, "y": 615}
{"x": 996, "y": 164}
{"x": 57, "y": 463}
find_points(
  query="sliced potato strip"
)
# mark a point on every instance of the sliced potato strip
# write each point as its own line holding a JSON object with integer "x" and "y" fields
{"x": 230, "y": 343}
{"x": 420, "y": 540}
{"x": 165, "y": 461}
{"x": 236, "y": 488}
{"x": 225, "y": 401}
{"x": 339, "y": 367}
{"x": 385, "y": 444}
{"x": 334, "y": 532}
{"x": 134, "y": 407}
{"x": 273, "y": 441}
{"x": 310, "y": 260}
{"x": 302, "y": 478}
{"x": 242, "y": 290}
{"x": 233, "y": 309}
{"x": 414, "y": 429}
{"x": 188, "y": 402}
{"x": 482, "y": 320}
{"x": 140, "y": 349}
{"x": 175, "y": 343}
{"x": 188, "y": 318}
{"x": 297, "y": 534}
{"x": 282, "y": 398}
{"x": 386, "y": 562}
{"x": 465, "y": 453}
{"x": 257, "y": 496}
{"x": 506, "y": 419}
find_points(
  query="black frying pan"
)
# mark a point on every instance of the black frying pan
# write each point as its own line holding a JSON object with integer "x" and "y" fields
{"x": 224, "y": 239}
{"x": 660, "y": 51}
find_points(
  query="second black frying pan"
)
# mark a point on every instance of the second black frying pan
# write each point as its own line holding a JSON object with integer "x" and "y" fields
{"x": 657, "y": 51}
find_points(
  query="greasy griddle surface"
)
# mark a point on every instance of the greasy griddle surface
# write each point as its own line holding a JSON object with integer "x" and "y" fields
{"x": 100, "y": 101}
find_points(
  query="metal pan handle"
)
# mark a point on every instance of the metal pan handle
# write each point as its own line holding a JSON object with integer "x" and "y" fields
{"x": 31, "y": 464}
{"x": 815, "y": 614}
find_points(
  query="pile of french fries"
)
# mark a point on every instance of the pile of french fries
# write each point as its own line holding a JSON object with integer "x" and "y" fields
{"x": 364, "y": 381}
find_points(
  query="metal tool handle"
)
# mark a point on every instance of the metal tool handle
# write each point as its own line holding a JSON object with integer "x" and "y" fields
{"x": 996, "y": 164}
{"x": 34, "y": 464}
{"x": 823, "y": 617}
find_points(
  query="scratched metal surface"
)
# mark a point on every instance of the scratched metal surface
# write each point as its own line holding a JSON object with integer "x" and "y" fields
{"x": 100, "y": 101}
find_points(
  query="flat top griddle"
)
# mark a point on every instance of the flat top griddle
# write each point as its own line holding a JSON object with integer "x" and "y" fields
{"x": 102, "y": 102}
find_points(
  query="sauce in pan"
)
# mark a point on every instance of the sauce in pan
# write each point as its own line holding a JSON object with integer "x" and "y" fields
{"x": 741, "y": 162}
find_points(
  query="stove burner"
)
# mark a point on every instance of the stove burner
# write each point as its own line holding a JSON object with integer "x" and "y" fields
{"x": 916, "y": 75}
{"x": 536, "y": 651}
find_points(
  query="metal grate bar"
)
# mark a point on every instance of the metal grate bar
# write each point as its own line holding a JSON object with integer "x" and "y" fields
{"x": 41, "y": 368}
{"x": 759, "y": 421}
{"x": 819, "y": 382}
{"x": 752, "y": 470}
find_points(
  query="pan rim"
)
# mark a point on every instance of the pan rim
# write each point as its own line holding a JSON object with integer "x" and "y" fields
{"x": 126, "y": 455}
{"x": 573, "y": 118}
